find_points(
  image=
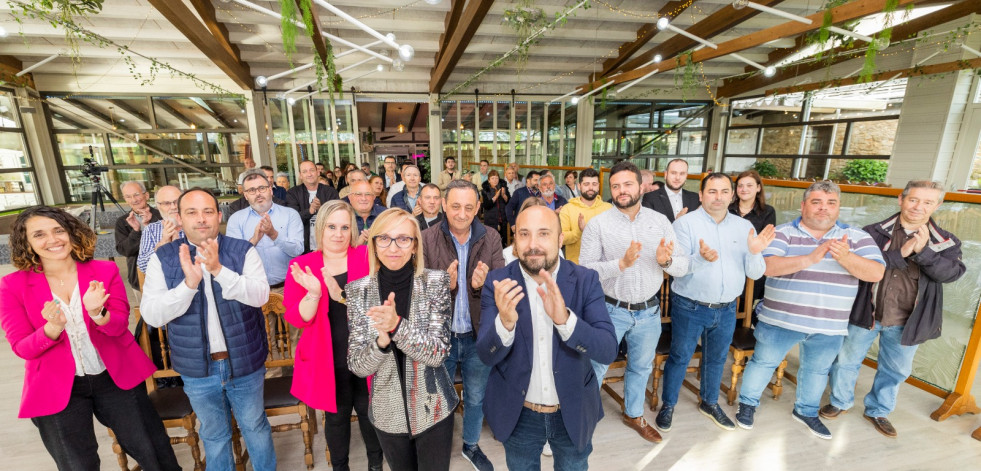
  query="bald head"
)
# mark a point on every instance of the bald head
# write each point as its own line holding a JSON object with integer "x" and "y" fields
{"x": 166, "y": 198}
{"x": 537, "y": 239}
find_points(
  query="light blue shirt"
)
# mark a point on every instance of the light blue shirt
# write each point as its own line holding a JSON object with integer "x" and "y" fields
{"x": 461, "y": 308}
{"x": 149, "y": 239}
{"x": 275, "y": 254}
{"x": 723, "y": 280}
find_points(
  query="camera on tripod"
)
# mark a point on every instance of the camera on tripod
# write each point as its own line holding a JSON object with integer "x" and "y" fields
{"x": 91, "y": 170}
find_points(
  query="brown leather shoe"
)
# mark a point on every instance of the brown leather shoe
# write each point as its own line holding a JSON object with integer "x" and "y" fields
{"x": 643, "y": 428}
{"x": 883, "y": 426}
{"x": 830, "y": 412}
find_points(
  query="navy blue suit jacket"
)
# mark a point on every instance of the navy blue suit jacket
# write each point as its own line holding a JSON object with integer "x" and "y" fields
{"x": 575, "y": 382}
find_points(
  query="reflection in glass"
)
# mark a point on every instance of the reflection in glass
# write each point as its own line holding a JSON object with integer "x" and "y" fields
{"x": 17, "y": 190}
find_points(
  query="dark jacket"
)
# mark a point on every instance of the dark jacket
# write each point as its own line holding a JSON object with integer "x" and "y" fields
{"x": 514, "y": 204}
{"x": 243, "y": 326}
{"x": 399, "y": 199}
{"x": 494, "y": 213}
{"x": 298, "y": 199}
{"x": 280, "y": 192}
{"x": 365, "y": 225}
{"x": 937, "y": 267}
{"x": 658, "y": 201}
{"x": 128, "y": 244}
{"x": 423, "y": 225}
{"x": 575, "y": 382}
{"x": 485, "y": 246}
{"x": 759, "y": 219}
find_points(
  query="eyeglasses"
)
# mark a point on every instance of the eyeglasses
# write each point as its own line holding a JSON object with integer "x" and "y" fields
{"x": 403, "y": 242}
{"x": 258, "y": 189}
{"x": 166, "y": 204}
{"x": 363, "y": 195}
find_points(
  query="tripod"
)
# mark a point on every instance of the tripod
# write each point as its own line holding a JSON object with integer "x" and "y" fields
{"x": 98, "y": 202}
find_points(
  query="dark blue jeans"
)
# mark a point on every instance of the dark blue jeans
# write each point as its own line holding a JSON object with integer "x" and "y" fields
{"x": 523, "y": 449}
{"x": 689, "y": 322}
{"x": 463, "y": 351}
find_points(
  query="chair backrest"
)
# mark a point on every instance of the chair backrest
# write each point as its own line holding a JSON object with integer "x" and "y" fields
{"x": 277, "y": 333}
{"x": 746, "y": 313}
{"x": 665, "y": 295}
{"x": 164, "y": 350}
{"x": 141, "y": 277}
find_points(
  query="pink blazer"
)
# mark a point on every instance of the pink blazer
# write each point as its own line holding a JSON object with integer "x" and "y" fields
{"x": 313, "y": 369}
{"x": 49, "y": 370}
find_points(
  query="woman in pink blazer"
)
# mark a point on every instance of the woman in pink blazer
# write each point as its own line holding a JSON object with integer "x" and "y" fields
{"x": 80, "y": 359}
{"x": 321, "y": 378}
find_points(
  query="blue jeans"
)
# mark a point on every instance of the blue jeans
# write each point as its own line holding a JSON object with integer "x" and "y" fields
{"x": 817, "y": 353}
{"x": 211, "y": 398}
{"x": 642, "y": 329}
{"x": 523, "y": 449}
{"x": 895, "y": 365}
{"x": 689, "y": 321}
{"x": 463, "y": 352}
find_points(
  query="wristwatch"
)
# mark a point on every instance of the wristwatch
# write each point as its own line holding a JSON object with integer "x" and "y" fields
{"x": 102, "y": 314}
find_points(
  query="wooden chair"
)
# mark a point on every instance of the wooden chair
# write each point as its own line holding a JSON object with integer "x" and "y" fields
{"x": 277, "y": 398}
{"x": 742, "y": 346}
{"x": 171, "y": 404}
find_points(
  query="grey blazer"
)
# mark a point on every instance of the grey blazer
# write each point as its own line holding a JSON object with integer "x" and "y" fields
{"x": 424, "y": 338}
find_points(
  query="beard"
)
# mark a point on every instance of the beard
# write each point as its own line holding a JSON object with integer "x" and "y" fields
{"x": 589, "y": 195}
{"x": 548, "y": 194}
{"x": 633, "y": 201}
{"x": 672, "y": 188}
{"x": 548, "y": 264}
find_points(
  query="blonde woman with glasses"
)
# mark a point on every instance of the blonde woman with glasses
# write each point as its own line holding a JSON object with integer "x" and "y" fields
{"x": 399, "y": 317}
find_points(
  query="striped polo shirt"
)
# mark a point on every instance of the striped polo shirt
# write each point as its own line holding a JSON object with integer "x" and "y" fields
{"x": 816, "y": 300}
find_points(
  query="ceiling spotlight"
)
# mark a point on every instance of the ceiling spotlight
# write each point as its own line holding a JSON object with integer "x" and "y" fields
{"x": 663, "y": 23}
{"x": 434, "y": 2}
{"x": 3, "y": 32}
{"x": 574, "y": 100}
{"x": 379, "y": 67}
{"x": 406, "y": 52}
{"x": 390, "y": 36}
{"x": 770, "y": 71}
{"x": 398, "y": 65}
{"x": 290, "y": 101}
{"x": 261, "y": 81}
{"x": 657, "y": 58}
{"x": 881, "y": 43}
{"x": 740, "y": 4}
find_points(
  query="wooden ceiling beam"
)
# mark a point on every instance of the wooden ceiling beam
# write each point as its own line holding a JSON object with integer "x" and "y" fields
{"x": 415, "y": 114}
{"x": 319, "y": 42}
{"x": 206, "y": 10}
{"x": 737, "y": 86}
{"x": 952, "y": 66}
{"x": 846, "y": 12}
{"x": 722, "y": 20}
{"x": 449, "y": 26}
{"x": 179, "y": 15}
{"x": 471, "y": 18}
{"x": 10, "y": 66}
{"x": 384, "y": 112}
{"x": 644, "y": 34}
{"x": 131, "y": 110}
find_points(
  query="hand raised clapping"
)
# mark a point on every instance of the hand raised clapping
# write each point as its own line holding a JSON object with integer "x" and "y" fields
{"x": 757, "y": 242}
{"x": 664, "y": 252}
{"x": 507, "y": 293}
{"x": 305, "y": 278}
{"x": 95, "y": 298}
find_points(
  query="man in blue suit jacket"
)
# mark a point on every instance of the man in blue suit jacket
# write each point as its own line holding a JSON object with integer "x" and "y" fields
{"x": 544, "y": 320}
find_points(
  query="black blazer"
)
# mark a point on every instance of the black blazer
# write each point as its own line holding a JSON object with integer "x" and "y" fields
{"x": 298, "y": 199}
{"x": 658, "y": 201}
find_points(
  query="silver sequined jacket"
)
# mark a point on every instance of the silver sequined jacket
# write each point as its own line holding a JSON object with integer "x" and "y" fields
{"x": 424, "y": 338}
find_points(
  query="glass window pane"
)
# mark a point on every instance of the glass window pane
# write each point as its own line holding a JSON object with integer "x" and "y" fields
{"x": 12, "y": 153}
{"x": 302, "y": 127}
{"x": 741, "y": 141}
{"x": 622, "y": 114}
{"x": 783, "y": 140}
{"x": 570, "y": 133}
{"x": 76, "y": 147}
{"x": 693, "y": 142}
{"x": 17, "y": 190}
{"x": 674, "y": 114}
{"x": 8, "y": 112}
{"x": 872, "y": 137}
{"x": 126, "y": 152}
{"x": 173, "y": 112}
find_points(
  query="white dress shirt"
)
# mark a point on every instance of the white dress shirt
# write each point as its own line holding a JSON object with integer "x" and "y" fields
{"x": 541, "y": 386}
{"x": 677, "y": 204}
{"x": 87, "y": 360}
{"x": 160, "y": 305}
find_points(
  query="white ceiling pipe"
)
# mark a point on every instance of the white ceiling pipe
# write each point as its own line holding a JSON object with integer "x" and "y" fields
{"x": 553, "y": 100}
{"x": 607, "y": 84}
{"x": 39, "y": 64}
{"x": 635, "y": 82}
{"x": 739, "y": 4}
{"x": 768, "y": 71}
{"x": 406, "y": 52}
{"x": 664, "y": 23}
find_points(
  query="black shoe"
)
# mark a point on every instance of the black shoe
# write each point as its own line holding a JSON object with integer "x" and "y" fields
{"x": 815, "y": 425}
{"x": 715, "y": 413}
{"x": 744, "y": 416}
{"x": 477, "y": 458}
{"x": 663, "y": 419}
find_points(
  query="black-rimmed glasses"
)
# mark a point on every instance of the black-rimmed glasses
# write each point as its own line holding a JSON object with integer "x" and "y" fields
{"x": 403, "y": 242}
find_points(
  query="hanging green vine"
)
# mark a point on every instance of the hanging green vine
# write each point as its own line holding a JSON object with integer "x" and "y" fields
{"x": 54, "y": 12}
{"x": 684, "y": 75}
{"x": 824, "y": 36}
{"x": 326, "y": 71}
{"x": 881, "y": 41}
{"x": 287, "y": 10}
{"x": 525, "y": 19}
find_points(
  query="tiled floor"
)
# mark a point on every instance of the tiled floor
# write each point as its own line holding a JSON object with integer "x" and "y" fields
{"x": 776, "y": 443}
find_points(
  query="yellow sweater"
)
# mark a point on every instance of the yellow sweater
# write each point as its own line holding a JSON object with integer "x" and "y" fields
{"x": 569, "y": 215}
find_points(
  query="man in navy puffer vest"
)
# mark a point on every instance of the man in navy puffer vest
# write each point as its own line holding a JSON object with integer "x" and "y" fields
{"x": 209, "y": 289}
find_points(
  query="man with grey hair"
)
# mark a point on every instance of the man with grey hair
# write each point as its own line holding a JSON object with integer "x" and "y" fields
{"x": 129, "y": 227}
{"x": 646, "y": 181}
{"x": 164, "y": 231}
{"x": 813, "y": 266}
{"x": 275, "y": 230}
{"x": 903, "y": 310}
{"x": 553, "y": 200}
{"x": 283, "y": 181}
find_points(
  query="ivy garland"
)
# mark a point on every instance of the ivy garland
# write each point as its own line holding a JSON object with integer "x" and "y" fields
{"x": 62, "y": 13}
{"x": 881, "y": 41}
{"x": 525, "y": 19}
{"x": 684, "y": 75}
{"x": 327, "y": 76}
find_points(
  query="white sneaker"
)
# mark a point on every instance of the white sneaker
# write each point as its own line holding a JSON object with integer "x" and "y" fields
{"x": 547, "y": 450}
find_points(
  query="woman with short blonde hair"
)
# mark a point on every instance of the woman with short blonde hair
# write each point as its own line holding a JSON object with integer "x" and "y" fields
{"x": 399, "y": 317}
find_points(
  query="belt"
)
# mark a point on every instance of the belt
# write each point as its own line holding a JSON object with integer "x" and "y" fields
{"x": 219, "y": 356}
{"x": 709, "y": 305}
{"x": 541, "y": 409}
{"x": 278, "y": 285}
{"x": 633, "y": 307}
{"x": 463, "y": 335}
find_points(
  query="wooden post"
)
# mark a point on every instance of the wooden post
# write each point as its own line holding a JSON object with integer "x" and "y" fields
{"x": 960, "y": 401}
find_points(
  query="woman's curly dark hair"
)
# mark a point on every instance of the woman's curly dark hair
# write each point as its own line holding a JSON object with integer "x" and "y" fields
{"x": 24, "y": 258}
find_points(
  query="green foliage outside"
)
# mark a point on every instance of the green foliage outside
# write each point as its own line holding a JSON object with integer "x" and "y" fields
{"x": 865, "y": 170}
{"x": 765, "y": 168}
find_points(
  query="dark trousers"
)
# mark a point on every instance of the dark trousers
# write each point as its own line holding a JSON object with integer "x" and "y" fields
{"x": 353, "y": 395}
{"x": 69, "y": 435}
{"x": 430, "y": 450}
